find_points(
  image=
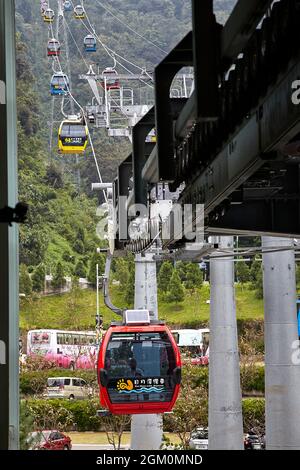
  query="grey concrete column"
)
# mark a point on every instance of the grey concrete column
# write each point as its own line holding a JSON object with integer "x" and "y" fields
{"x": 225, "y": 398}
{"x": 146, "y": 430}
{"x": 282, "y": 358}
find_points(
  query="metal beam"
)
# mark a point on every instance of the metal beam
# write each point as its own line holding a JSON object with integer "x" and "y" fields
{"x": 259, "y": 138}
{"x": 266, "y": 217}
{"x": 139, "y": 134}
{"x": 240, "y": 26}
{"x": 206, "y": 52}
{"x": 9, "y": 292}
{"x": 180, "y": 56}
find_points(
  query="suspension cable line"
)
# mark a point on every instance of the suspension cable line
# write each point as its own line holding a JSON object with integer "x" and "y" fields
{"x": 112, "y": 55}
{"x": 83, "y": 114}
{"x": 72, "y": 36}
{"x": 111, "y": 52}
{"x": 128, "y": 27}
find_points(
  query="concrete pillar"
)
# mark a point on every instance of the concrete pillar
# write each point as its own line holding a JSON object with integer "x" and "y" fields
{"x": 146, "y": 430}
{"x": 282, "y": 358}
{"x": 225, "y": 397}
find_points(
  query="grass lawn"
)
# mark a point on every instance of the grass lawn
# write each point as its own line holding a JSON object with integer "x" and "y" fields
{"x": 100, "y": 438}
{"x": 77, "y": 309}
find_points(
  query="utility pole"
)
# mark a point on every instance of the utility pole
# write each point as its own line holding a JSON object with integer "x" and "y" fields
{"x": 225, "y": 397}
{"x": 282, "y": 356}
{"x": 146, "y": 430}
{"x": 9, "y": 276}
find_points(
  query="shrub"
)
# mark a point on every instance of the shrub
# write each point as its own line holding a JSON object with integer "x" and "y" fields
{"x": 175, "y": 289}
{"x": 33, "y": 382}
{"x": 58, "y": 280}
{"x": 66, "y": 415}
{"x": 194, "y": 276}
{"x": 38, "y": 278}
{"x": 25, "y": 283}
{"x": 254, "y": 415}
{"x": 164, "y": 276}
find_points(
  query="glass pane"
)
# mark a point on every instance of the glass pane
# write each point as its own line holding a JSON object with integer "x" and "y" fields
{"x": 54, "y": 382}
{"x": 40, "y": 338}
{"x": 140, "y": 367}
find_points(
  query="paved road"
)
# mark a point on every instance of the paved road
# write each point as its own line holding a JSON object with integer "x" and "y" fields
{"x": 94, "y": 447}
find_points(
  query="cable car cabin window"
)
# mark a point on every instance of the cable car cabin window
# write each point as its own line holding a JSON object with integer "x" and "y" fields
{"x": 59, "y": 81}
{"x": 73, "y": 131}
{"x": 140, "y": 367}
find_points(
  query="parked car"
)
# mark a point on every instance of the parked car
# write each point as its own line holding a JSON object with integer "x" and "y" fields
{"x": 254, "y": 442}
{"x": 67, "y": 387}
{"x": 49, "y": 440}
{"x": 199, "y": 439}
{"x": 200, "y": 361}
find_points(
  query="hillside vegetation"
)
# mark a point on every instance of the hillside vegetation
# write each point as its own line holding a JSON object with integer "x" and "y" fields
{"x": 78, "y": 309}
{"x": 59, "y": 237}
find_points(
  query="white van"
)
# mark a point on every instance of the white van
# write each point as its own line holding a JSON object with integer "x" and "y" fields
{"x": 67, "y": 387}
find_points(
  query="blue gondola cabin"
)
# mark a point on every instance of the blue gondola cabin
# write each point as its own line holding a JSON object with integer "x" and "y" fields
{"x": 90, "y": 44}
{"x": 59, "y": 84}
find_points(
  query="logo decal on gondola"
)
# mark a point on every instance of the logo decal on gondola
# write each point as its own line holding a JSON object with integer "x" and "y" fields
{"x": 122, "y": 385}
{"x": 148, "y": 385}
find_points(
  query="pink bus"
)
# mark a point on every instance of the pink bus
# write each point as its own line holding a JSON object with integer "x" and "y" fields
{"x": 69, "y": 349}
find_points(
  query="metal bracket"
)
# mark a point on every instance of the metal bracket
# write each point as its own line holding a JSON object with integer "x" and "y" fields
{"x": 18, "y": 214}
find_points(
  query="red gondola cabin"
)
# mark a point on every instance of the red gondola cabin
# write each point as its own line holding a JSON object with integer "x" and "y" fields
{"x": 139, "y": 369}
{"x": 110, "y": 79}
{"x": 53, "y": 47}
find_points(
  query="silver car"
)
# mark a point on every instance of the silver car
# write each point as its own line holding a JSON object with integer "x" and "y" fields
{"x": 199, "y": 439}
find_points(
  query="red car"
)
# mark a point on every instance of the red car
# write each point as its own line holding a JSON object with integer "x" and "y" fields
{"x": 200, "y": 361}
{"x": 49, "y": 440}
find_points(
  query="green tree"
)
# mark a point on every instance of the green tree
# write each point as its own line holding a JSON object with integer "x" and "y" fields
{"x": 25, "y": 283}
{"x": 164, "y": 275}
{"x": 78, "y": 246}
{"x": 175, "y": 288}
{"x": 122, "y": 271}
{"x": 298, "y": 274}
{"x": 259, "y": 290}
{"x": 38, "y": 278}
{"x": 255, "y": 269}
{"x": 80, "y": 270}
{"x": 194, "y": 277}
{"x": 242, "y": 271}
{"x": 98, "y": 258}
{"x": 58, "y": 280}
{"x": 190, "y": 411}
{"x": 114, "y": 427}
{"x": 181, "y": 268}
{"x": 26, "y": 425}
{"x": 129, "y": 293}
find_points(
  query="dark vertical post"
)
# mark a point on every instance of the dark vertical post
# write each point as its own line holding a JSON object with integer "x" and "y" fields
{"x": 9, "y": 335}
{"x": 206, "y": 50}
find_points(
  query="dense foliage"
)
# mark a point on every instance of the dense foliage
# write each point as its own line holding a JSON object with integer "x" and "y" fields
{"x": 60, "y": 234}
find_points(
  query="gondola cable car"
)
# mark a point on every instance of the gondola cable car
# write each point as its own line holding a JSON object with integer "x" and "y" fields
{"x": 48, "y": 16}
{"x": 79, "y": 12}
{"x": 53, "y": 47}
{"x": 72, "y": 136}
{"x": 59, "y": 84}
{"x": 139, "y": 366}
{"x": 90, "y": 43}
{"x": 44, "y": 7}
{"x": 67, "y": 5}
{"x": 109, "y": 79}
